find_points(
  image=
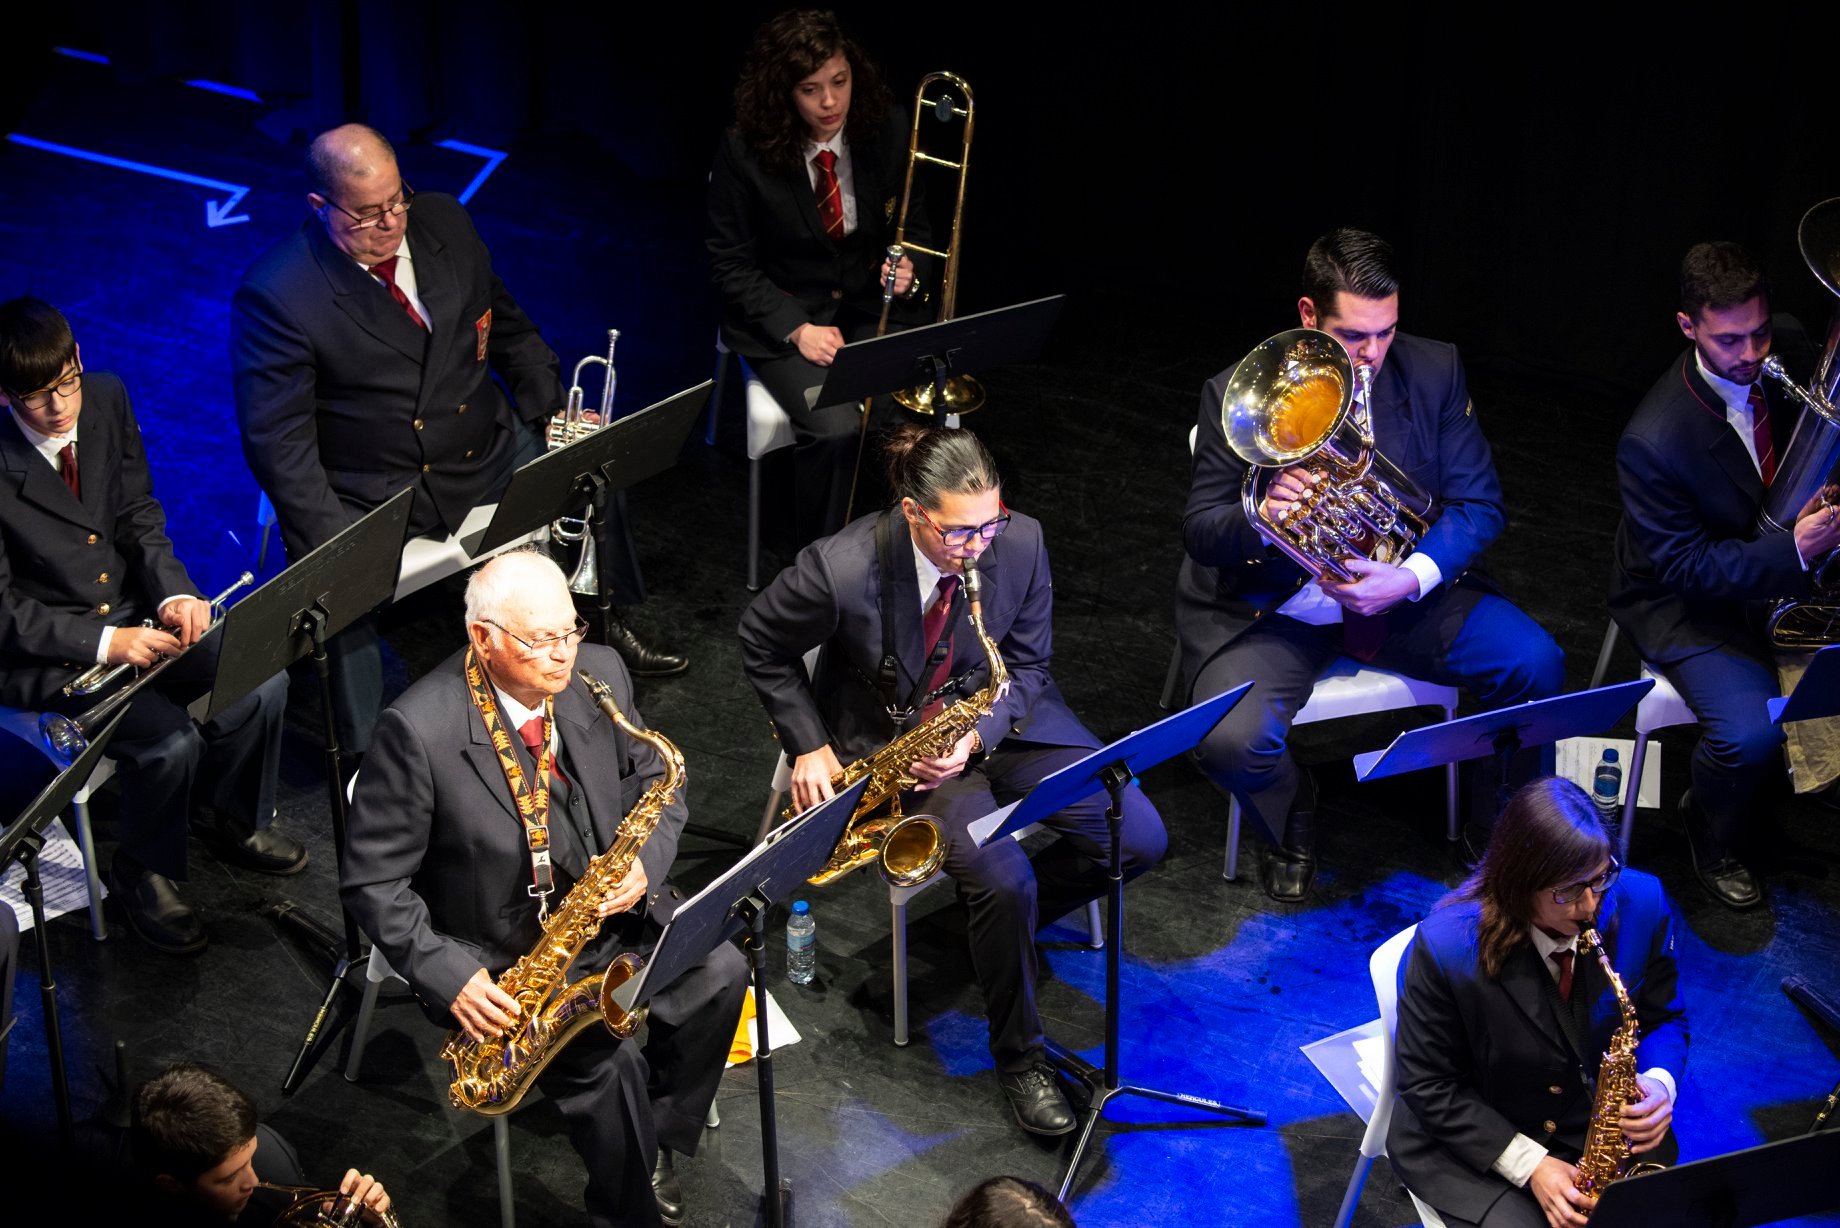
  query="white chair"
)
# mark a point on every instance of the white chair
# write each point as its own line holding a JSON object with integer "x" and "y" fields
{"x": 1383, "y": 967}
{"x": 899, "y": 897}
{"x": 23, "y": 724}
{"x": 769, "y": 428}
{"x": 1658, "y": 709}
{"x": 1349, "y": 688}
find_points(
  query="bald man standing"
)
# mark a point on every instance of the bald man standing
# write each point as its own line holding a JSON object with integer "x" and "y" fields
{"x": 363, "y": 346}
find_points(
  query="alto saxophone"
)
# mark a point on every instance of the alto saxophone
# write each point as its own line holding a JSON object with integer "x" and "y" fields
{"x": 491, "y": 1076}
{"x": 910, "y": 848}
{"x": 1606, "y": 1151}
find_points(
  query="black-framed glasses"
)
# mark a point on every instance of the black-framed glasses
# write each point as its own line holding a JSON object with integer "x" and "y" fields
{"x": 536, "y": 648}
{"x": 40, "y": 398}
{"x": 990, "y": 530}
{"x": 364, "y": 221}
{"x": 1598, "y": 885}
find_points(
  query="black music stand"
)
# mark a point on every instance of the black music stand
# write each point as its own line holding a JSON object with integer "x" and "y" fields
{"x": 594, "y": 468}
{"x": 1759, "y": 1185}
{"x": 22, "y": 841}
{"x": 289, "y": 617}
{"x": 1817, "y": 694}
{"x": 740, "y": 899}
{"x": 1112, "y": 768}
{"x": 933, "y": 354}
{"x": 1504, "y": 731}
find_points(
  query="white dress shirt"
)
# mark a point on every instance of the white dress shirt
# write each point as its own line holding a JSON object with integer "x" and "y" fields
{"x": 846, "y": 183}
{"x": 1737, "y": 398}
{"x": 1311, "y": 605}
{"x": 1522, "y": 1155}
{"x": 48, "y": 446}
{"x": 405, "y": 279}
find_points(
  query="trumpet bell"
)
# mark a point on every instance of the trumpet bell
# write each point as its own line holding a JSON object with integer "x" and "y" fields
{"x": 63, "y": 737}
{"x": 1288, "y": 397}
{"x": 962, "y": 394}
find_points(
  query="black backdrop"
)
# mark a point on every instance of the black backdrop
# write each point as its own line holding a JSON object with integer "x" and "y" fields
{"x": 1541, "y": 171}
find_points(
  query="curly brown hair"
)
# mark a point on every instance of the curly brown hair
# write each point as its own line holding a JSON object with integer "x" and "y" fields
{"x": 1548, "y": 833}
{"x": 786, "y": 50}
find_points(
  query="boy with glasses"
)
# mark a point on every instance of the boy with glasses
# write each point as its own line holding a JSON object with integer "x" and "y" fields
{"x": 1502, "y": 1022}
{"x": 884, "y": 599}
{"x": 84, "y": 558}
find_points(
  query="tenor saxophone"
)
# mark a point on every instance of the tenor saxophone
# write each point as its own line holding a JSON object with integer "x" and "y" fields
{"x": 491, "y": 1076}
{"x": 910, "y": 848}
{"x": 1606, "y": 1151}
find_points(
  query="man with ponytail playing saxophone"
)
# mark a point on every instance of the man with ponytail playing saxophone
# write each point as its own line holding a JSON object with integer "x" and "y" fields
{"x": 440, "y": 873}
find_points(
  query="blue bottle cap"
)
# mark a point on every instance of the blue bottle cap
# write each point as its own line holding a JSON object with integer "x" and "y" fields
{"x": 800, "y": 907}
{"x": 1609, "y": 754}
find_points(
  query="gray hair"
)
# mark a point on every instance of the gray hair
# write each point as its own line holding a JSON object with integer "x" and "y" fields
{"x": 339, "y": 154}
{"x": 497, "y": 581}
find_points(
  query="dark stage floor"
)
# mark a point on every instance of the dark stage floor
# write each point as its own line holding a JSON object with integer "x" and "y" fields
{"x": 1221, "y": 987}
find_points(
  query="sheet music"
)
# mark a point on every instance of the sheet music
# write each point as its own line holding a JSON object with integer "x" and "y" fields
{"x": 60, "y": 871}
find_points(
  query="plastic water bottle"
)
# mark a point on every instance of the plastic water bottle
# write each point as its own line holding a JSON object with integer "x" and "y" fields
{"x": 801, "y": 944}
{"x": 1607, "y": 789}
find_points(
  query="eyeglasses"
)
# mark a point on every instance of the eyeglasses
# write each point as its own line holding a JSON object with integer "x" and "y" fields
{"x": 41, "y": 398}
{"x": 364, "y": 221}
{"x": 537, "y": 648}
{"x": 990, "y": 530}
{"x": 1598, "y": 885}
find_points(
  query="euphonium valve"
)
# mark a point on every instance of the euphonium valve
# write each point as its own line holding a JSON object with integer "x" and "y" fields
{"x": 565, "y": 428}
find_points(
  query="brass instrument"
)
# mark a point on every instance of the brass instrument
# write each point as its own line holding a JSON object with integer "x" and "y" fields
{"x": 316, "y": 1208}
{"x": 564, "y": 429}
{"x": 1606, "y": 1151}
{"x": 66, "y": 737}
{"x": 909, "y": 849}
{"x": 956, "y": 394}
{"x": 1808, "y": 463}
{"x": 1292, "y": 402}
{"x": 491, "y": 1076}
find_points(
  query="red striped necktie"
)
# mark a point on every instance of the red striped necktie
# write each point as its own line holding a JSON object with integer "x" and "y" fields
{"x": 830, "y": 193}
{"x": 67, "y": 468}
{"x": 1761, "y": 438}
{"x": 385, "y": 272}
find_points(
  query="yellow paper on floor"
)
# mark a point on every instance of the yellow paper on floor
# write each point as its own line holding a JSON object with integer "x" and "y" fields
{"x": 779, "y": 1030}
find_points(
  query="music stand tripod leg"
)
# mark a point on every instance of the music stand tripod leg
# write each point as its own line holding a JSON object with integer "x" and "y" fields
{"x": 776, "y": 1193}
{"x": 34, "y": 891}
{"x": 313, "y": 621}
{"x": 1101, "y": 1083}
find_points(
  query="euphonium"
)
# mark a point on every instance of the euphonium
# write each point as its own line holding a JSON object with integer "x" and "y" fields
{"x": 564, "y": 429}
{"x": 1291, "y": 402}
{"x": 316, "y": 1208}
{"x": 909, "y": 849}
{"x": 491, "y": 1076}
{"x": 1606, "y": 1151}
{"x": 1808, "y": 463}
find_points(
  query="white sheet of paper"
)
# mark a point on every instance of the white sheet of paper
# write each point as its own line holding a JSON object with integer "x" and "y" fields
{"x": 60, "y": 871}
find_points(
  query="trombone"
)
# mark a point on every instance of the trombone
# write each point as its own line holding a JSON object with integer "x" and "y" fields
{"x": 957, "y": 394}
{"x": 66, "y": 737}
{"x": 566, "y": 428}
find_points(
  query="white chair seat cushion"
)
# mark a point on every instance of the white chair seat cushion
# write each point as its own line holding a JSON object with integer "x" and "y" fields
{"x": 1662, "y": 706}
{"x": 769, "y": 427}
{"x": 1350, "y": 688}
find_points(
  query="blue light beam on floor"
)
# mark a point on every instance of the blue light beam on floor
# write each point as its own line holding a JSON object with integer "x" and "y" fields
{"x": 231, "y": 91}
{"x": 492, "y": 156}
{"x": 216, "y": 212}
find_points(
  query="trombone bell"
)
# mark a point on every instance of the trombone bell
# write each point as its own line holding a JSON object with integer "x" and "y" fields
{"x": 960, "y": 395}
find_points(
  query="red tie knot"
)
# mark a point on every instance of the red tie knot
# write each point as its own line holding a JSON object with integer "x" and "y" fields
{"x": 532, "y": 733}
{"x": 826, "y": 159}
{"x": 385, "y": 271}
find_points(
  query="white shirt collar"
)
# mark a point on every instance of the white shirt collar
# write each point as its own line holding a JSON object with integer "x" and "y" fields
{"x": 926, "y": 574}
{"x": 516, "y": 714}
{"x": 47, "y": 446}
{"x": 835, "y": 145}
{"x": 401, "y": 253}
{"x": 1735, "y": 396}
{"x": 1546, "y": 945}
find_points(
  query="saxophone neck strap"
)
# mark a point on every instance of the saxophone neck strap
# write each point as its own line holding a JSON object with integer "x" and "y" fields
{"x": 886, "y": 681}
{"x": 531, "y": 802}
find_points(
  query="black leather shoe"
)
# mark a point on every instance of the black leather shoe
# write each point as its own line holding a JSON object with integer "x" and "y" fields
{"x": 1730, "y": 883}
{"x": 644, "y": 661}
{"x": 270, "y": 851}
{"x": 1036, "y": 1099}
{"x": 1286, "y": 872}
{"x": 154, "y": 910}
{"x": 669, "y": 1195}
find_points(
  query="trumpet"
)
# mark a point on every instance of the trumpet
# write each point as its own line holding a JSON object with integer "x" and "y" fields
{"x": 566, "y": 428}
{"x": 66, "y": 737}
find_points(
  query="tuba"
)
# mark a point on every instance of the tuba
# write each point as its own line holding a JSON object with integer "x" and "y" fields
{"x": 909, "y": 849}
{"x": 491, "y": 1076}
{"x": 1291, "y": 402}
{"x": 1606, "y": 1151}
{"x": 1808, "y": 463}
{"x": 564, "y": 429}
